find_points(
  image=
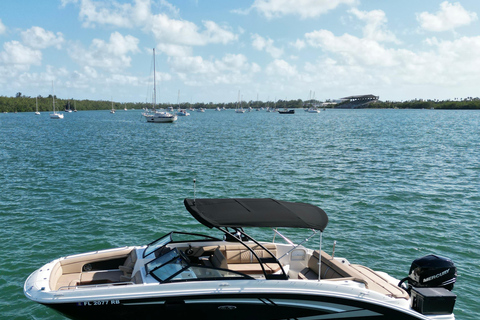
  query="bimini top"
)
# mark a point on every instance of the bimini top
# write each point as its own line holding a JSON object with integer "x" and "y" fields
{"x": 271, "y": 213}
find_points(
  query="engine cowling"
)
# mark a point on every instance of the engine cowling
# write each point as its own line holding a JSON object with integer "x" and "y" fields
{"x": 432, "y": 271}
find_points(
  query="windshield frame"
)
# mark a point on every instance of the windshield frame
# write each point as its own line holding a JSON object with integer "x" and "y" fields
{"x": 176, "y": 263}
{"x": 164, "y": 240}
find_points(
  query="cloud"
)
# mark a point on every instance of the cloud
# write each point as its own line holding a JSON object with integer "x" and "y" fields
{"x": 352, "y": 49}
{"x": 39, "y": 38}
{"x": 231, "y": 69}
{"x": 298, "y": 44}
{"x": 260, "y": 43}
{"x": 112, "y": 55}
{"x": 110, "y": 13}
{"x": 16, "y": 53}
{"x": 15, "y": 62}
{"x": 353, "y": 62}
{"x": 303, "y": 8}
{"x": 166, "y": 30}
{"x": 3, "y": 29}
{"x": 450, "y": 16}
{"x": 169, "y": 31}
{"x": 175, "y": 50}
{"x": 281, "y": 68}
{"x": 375, "y": 25}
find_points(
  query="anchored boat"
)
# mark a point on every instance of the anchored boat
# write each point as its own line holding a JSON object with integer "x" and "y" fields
{"x": 184, "y": 275}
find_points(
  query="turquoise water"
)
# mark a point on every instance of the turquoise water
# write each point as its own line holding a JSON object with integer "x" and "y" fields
{"x": 396, "y": 184}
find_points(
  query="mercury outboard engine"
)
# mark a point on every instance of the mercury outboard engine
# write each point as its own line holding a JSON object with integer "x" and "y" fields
{"x": 433, "y": 271}
{"x": 430, "y": 280}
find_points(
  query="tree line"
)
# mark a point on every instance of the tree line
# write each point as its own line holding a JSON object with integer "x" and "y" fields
{"x": 21, "y": 103}
{"x": 456, "y": 104}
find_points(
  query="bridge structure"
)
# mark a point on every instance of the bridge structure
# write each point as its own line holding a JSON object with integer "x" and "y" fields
{"x": 359, "y": 101}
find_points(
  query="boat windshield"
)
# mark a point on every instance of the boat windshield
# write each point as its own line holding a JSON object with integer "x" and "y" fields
{"x": 173, "y": 237}
{"x": 159, "y": 243}
{"x": 175, "y": 266}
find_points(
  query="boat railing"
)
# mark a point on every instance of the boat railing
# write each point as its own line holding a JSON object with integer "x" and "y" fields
{"x": 295, "y": 246}
{"x": 92, "y": 286}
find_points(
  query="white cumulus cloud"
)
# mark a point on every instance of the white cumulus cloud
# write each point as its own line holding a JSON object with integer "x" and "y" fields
{"x": 230, "y": 69}
{"x": 375, "y": 25}
{"x": 168, "y": 32}
{"x": 39, "y": 38}
{"x": 260, "y": 43}
{"x": 450, "y": 16}
{"x": 112, "y": 55}
{"x": 16, "y": 53}
{"x": 281, "y": 68}
{"x": 303, "y": 8}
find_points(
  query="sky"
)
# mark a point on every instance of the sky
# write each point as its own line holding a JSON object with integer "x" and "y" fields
{"x": 217, "y": 50}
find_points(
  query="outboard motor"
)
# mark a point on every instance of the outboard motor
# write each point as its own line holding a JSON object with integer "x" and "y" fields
{"x": 433, "y": 271}
{"x": 430, "y": 280}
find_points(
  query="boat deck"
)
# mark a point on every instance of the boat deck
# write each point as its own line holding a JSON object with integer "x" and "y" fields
{"x": 121, "y": 266}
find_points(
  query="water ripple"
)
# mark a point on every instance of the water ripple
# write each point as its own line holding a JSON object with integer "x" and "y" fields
{"x": 396, "y": 184}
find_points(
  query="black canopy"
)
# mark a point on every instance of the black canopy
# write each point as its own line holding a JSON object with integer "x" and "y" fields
{"x": 256, "y": 213}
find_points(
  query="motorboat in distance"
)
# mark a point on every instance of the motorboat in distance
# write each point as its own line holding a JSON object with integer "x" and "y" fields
{"x": 192, "y": 276}
{"x": 158, "y": 116}
{"x": 286, "y": 111}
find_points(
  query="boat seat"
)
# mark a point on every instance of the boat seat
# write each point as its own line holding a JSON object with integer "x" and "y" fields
{"x": 136, "y": 278}
{"x": 239, "y": 254}
{"x": 104, "y": 276}
{"x": 129, "y": 264}
{"x": 218, "y": 260}
{"x": 333, "y": 269}
{"x": 74, "y": 264}
{"x": 242, "y": 260}
{"x": 68, "y": 280}
{"x": 238, "y": 258}
{"x": 254, "y": 268}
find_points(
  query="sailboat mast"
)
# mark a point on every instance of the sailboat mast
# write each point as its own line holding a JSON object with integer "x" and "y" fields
{"x": 53, "y": 97}
{"x": 154, "y": 81}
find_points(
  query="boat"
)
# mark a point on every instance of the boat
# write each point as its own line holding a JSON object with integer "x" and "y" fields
{"x": 113, "y": 109}
{"x": 154, "y": 115}
{"x": 239, "y": 108}
{"x": 185, "y": 275}
{"x": 286, "y": 111}
{"x": 36, "y": 106}
{"x": 183, "y": 113}
{"x": 68, "y": 109}
{"x": 55, "y": 115}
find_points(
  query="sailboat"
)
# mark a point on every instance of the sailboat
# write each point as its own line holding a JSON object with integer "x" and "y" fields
{"x": 239, "y": 108}
{"x": 36, "y": 104}
{"x": 181, "y": 112}
{"x": 55, "y": 115}
{"x": 113, "y": 110}
{"x": 156, "y": 115}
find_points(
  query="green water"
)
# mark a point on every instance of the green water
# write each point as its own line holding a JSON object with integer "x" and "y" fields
{"x": 396, "y": 184}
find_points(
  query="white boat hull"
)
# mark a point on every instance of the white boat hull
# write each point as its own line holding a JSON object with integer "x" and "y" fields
{"x": 56, "y": 116}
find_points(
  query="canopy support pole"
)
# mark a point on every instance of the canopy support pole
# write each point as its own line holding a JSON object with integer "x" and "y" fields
{"x": 320, "y": 257}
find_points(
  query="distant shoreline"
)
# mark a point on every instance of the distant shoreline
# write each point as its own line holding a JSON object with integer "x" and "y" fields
{"x": 28, "y": 104}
